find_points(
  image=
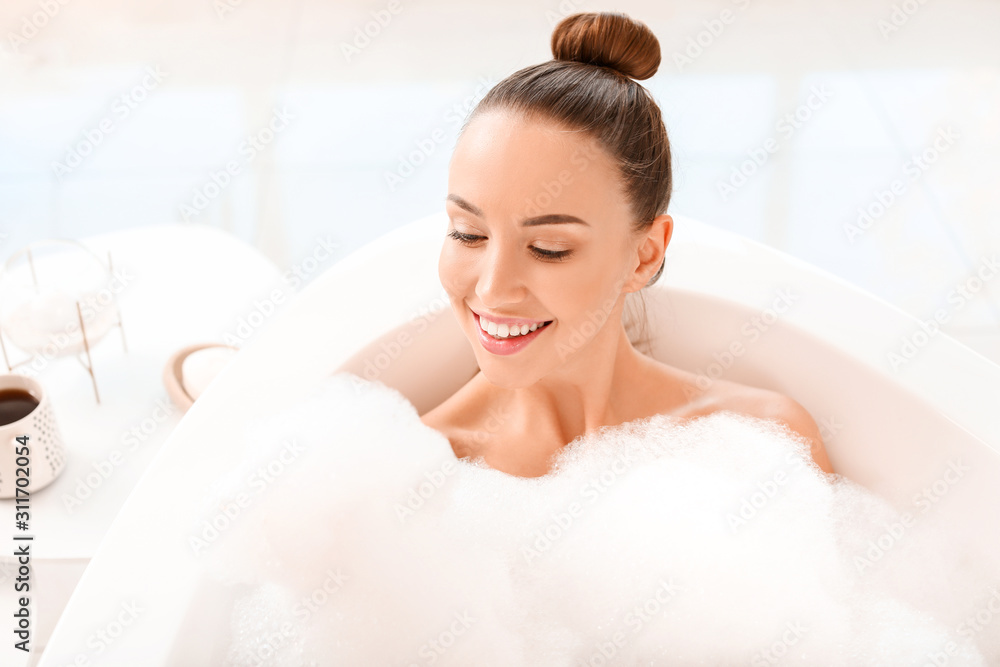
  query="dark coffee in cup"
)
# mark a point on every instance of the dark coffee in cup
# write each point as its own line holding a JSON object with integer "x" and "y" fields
{"x": 15, "y": 404}
{"x": 26, "y": 418}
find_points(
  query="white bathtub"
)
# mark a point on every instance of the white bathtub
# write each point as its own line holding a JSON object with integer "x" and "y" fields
{"x": 894, "y": 432}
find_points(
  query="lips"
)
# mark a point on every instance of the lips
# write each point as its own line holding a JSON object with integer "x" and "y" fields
{"x": 510, "y": 345}
{"x": 510, "y": 321}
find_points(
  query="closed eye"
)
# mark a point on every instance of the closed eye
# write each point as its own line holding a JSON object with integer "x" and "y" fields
{"x": 466, "y": 239}
{"x": 540, "y": 253}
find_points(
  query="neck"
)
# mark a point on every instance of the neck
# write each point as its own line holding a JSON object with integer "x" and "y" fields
{"x": 590, "y": 391}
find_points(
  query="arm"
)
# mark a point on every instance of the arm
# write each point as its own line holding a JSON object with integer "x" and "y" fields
{"x": 789, "y": 412}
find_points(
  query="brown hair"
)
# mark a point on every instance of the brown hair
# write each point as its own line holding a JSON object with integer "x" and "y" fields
{"x": 591, "y": 86}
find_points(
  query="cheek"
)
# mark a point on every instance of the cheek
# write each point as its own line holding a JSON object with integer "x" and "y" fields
{"x": 588, "y": 294}
{"x": 453, "y": 273}
{"x": 574, "y": 292}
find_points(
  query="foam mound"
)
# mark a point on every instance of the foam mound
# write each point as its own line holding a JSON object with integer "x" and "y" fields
{"x": 717, "y": 541}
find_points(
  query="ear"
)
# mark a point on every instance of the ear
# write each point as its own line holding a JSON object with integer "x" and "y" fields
{"x": 650, "y": 252}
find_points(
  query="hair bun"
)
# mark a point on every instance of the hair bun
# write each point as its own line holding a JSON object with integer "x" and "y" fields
{"x": 610, "y": 39}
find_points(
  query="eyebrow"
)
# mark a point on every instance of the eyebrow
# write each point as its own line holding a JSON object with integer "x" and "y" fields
{"x": 548, "y": 219}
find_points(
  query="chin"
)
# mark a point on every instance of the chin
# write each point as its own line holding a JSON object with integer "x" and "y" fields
{"x": 504, "y": 372}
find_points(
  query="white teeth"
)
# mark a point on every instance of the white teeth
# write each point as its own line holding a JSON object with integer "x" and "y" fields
{"x": 506, "y": 330}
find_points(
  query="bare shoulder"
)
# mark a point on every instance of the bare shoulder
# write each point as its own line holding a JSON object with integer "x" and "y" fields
{"x": 773, "y": 405}
{"x": 748, "y": 400}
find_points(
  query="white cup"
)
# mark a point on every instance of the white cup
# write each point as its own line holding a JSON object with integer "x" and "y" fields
{"x": 46, "y": 456}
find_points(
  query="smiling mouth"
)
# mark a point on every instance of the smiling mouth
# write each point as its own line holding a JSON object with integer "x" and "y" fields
{"x": 508, "y": 332}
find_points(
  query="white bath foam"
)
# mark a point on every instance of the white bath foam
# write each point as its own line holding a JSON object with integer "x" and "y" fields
{"x": 711, "y": 542}
{"x": 621, "y": 541}
{"x": 309, "y": 459}
{"x": 903, "y": 555}
{"x": 342, "y": 509}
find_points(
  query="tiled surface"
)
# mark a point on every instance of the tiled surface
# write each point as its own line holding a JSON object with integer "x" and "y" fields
{"x": 227, "y": 65}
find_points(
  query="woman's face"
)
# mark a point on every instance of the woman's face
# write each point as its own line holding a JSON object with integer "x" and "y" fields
{"x": 539, "y": 232}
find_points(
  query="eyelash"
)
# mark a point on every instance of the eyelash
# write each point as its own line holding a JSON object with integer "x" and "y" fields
{"x": 470, "y": 239}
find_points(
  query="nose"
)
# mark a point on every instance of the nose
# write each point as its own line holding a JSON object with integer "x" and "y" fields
{"x": 501, "y": 280}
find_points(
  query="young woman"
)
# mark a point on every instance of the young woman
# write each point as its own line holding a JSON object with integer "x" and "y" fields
{"x": 558, "y": 189}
